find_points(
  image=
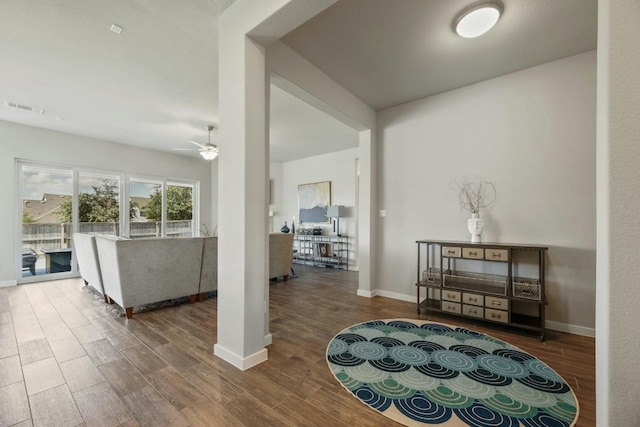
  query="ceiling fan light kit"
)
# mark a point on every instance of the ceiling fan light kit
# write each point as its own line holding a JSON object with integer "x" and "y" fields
{"x": 210, "y": 153}
{"x": 477, "y": 19}
{"x": 207, "y": 151}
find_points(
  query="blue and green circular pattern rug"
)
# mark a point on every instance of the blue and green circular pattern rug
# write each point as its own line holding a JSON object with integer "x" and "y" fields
{"x": 425, "y": 373}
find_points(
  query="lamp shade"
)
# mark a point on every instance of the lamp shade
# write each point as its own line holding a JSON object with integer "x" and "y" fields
{"x": 336, "y": 211}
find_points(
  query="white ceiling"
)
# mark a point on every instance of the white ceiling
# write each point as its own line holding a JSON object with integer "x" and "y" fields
{"x": 299, "y": 130}
{"x": 155, "y": 85}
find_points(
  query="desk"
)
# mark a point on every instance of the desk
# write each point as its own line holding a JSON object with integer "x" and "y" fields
{"x": 58, "y": 260}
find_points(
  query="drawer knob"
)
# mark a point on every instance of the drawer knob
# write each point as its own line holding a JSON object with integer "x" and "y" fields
{"x": 451, "y": 252}
{"x": 473, "y": 299}
{"x": 451, "y": 307}
{"x": 473, "y": 253}
{"x": 497, "y": 255}
{"x": 497, "y": 303}
{"x": 496, "y": 316}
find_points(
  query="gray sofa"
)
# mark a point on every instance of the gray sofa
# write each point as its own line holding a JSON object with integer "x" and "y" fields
{"x": 144, "y": 271}
{"x": 137, "y": 272}
{"x": 209, "y": 270}
{"x": 87, "y": 256}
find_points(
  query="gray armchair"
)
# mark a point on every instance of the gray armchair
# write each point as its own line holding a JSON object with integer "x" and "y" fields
{"x": 280, "y": 255}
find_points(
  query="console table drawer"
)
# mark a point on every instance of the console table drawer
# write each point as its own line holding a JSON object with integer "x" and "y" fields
{"x": 452, "y": 251}
{"x": 473, "y": 299}
{"x": 496, "y": 303}
{"x": 472, "y": 253}
{"x": 473, "y": 311}
{"x": 496, "y": 315}
{"x": 496, "y": 254}
{"x": 450, "y": 296}
{"x": 451, "y": 307}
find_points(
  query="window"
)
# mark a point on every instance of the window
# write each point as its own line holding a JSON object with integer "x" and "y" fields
{"x": 46, "y": 225}
{"x": 56, "y": 201}
{"x": 161, "y": 208}
{"x": 145, "y": 200}
{"x": 99, "y": 204}
{"x": 179, "y": 210}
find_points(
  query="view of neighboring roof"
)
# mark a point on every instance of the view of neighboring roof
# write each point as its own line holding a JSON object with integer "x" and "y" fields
{"x": 44, "y": 211}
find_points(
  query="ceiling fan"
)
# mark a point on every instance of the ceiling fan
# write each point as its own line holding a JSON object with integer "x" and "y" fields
{"x": 208, "y": 151}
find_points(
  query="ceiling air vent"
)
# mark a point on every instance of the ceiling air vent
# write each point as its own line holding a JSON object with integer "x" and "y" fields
{"x": 24, "y": 107}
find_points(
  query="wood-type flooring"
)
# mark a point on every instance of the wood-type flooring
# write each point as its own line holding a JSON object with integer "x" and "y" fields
{"x": 67, "y": 360}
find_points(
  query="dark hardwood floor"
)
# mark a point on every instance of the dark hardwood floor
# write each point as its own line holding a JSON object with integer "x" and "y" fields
{"x": 66, "y": 359}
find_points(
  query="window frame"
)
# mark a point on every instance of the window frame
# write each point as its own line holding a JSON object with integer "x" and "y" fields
{"x": 124, "y": 182}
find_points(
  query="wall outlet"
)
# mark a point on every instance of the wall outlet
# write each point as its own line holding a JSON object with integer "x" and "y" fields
{"x": 383, "y": 212}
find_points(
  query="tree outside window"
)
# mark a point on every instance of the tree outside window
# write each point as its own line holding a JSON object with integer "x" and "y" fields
{"x": 100, "y": 206}
{"x": 179, "y": 204}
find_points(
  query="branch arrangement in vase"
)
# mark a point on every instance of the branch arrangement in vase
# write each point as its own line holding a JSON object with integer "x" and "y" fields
{"x": 475, "y": 194}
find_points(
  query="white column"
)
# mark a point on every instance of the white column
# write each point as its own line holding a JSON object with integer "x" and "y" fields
{"x": 243, "y": 170}
{"x": 242, "y": 167}
{"x": 367, "y": 215}
{"x": 618, "y": 222}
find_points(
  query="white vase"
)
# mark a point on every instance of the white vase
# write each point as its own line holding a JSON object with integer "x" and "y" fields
{"x": 476, "y": 227}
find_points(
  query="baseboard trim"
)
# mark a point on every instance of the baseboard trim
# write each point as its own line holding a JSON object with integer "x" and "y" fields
{"x": 549, "y": 324}
{"x": 242, "y": 363}
{"x": 366, "y": 294}
{"x": 571, "y": 329}
{"x": 268, "y": 339}
{"x": 8, "y": 283}
{"x": 395, "y": 295}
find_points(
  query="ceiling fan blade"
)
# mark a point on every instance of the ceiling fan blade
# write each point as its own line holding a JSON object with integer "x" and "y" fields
{"x": 196, "y": 143}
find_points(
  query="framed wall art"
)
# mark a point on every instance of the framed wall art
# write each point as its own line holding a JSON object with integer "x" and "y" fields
{"x": 313, "y": 200}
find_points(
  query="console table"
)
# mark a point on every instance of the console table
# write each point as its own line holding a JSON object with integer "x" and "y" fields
{"x": 321, "y": 250}
{"x": 496, "y": 282}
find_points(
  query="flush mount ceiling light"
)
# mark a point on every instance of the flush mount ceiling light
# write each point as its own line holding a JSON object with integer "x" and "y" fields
{"x": 477, "y": 19}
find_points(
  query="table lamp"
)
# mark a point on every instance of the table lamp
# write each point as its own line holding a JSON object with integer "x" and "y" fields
{"x": 337, "y": 212}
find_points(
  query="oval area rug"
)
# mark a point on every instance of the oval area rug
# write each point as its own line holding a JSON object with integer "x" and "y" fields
{"x": 426, "y": 373}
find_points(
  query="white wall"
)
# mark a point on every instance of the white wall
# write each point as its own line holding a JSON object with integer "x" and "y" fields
{"x": 617, "y": 376}
{"x": 41, "y": 145}
{"x": 533, "y": 134}
{"x": 340, "y": 169}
